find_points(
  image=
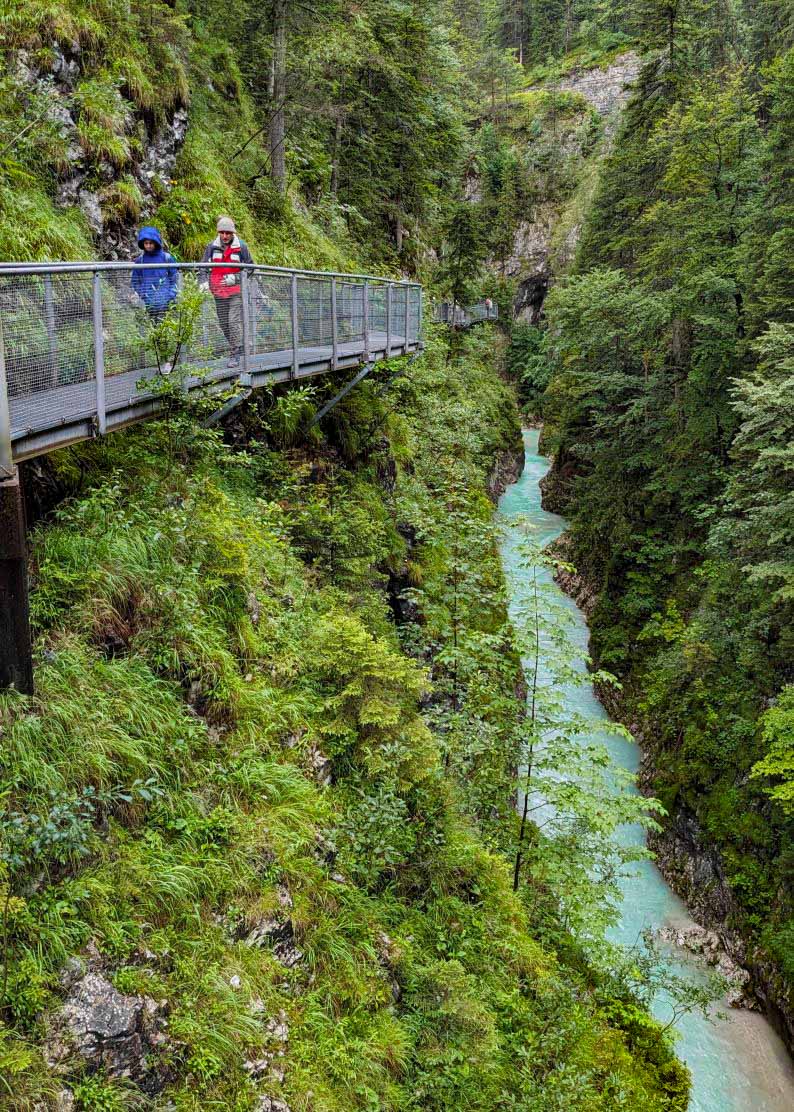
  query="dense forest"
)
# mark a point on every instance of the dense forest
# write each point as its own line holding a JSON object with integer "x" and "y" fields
{"x": 260, "y": 810}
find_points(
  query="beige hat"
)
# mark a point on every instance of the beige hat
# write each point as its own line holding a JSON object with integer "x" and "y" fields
{"x": 225, "y": 224}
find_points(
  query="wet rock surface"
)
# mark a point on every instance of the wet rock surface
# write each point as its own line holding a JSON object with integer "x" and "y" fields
{"x": 506, "y": 470}
{"x": 708, "y": 945}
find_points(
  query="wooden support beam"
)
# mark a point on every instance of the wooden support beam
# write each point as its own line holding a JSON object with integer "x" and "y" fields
{"x": 16, "y": 661}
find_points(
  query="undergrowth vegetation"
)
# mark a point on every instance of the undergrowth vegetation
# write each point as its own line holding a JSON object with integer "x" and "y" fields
{"x": 267, "y": 777}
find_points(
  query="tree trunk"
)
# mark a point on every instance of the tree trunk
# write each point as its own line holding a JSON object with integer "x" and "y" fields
{"x": 337, "y": 153}
{"x": 278, "y": 92}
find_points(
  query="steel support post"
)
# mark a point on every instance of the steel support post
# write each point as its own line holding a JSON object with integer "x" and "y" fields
{"x": 6, "y": 456}
{"x": 16, "y": 660}
{"x": 16, "y": 664}
{"x": 99, "y": 354}
{"x": 295, "y": 324}
{"x": 245, "y": 294}
{"x": 366, "y": 320}
{"x": 420, "y": 320}
{"x": 334, "y": 328}
{"x": 388, "y": 320}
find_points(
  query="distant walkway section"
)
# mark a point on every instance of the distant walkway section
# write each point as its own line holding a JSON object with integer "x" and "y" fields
{"x": 462, "y": 316}
{"x": 80, "y": 356}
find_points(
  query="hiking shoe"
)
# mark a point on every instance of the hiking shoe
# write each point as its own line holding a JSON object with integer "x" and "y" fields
{"x": 234, "y": 361}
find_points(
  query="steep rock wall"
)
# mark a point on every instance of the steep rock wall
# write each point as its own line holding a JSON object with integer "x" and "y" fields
{"x": 545, "y": 243}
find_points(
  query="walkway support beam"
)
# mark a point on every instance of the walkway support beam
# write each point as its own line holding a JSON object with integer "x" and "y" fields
{"x": 16, "y": 660}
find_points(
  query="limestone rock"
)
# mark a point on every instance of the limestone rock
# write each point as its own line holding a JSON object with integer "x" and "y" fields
{"x": 270, "y": 1104}
{"x": 123, "y": 1034}
{"x": 56, "y": 74}
{"x": 275, "y": 931}
{"x": 605, "y": 90}
{"x": 321, "y": 767}
{"x": 708, "y": 945}
{"x": 279, "y": 935}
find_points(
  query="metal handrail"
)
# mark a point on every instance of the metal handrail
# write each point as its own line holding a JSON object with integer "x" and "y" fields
{"x": 21, "y": 269}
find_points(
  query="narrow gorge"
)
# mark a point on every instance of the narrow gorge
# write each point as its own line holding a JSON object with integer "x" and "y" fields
{"x": 306, "y": 802}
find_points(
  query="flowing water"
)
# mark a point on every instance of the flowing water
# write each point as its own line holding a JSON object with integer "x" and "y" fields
{"x": 738, "y": 1062}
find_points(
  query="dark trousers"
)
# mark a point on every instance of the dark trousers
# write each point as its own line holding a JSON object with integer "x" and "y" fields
{"x": 230, "y": 318}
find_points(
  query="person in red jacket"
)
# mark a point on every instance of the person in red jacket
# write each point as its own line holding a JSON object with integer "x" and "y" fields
{"x": 224, "y": 283}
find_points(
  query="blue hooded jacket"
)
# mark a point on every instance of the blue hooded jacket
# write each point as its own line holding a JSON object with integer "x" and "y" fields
{"x": 158, "y": 287}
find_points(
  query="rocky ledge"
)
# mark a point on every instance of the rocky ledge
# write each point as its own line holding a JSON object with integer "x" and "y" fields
{"x": 506, "y": 469}
{"x": 125, "y": 1035}
{"x": 708, "y": 946}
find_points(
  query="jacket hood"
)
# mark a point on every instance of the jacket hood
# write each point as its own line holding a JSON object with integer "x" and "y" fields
{"x": 149, "y": 233}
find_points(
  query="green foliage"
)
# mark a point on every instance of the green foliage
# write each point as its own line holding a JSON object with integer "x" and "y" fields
{"x": 528, "y": 364}
{"x": 778, "y": 764}
{"x": 204, "y": 646}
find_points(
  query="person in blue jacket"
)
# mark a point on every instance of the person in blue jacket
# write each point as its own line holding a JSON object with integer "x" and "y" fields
{"x": 156, "y": 287}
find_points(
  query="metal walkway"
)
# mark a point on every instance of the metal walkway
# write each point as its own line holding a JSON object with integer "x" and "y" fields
{"x": 80, "y": 349}
{"x": 463, "y": 316}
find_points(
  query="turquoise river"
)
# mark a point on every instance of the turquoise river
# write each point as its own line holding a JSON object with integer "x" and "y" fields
{"x": 738, "y": 1063}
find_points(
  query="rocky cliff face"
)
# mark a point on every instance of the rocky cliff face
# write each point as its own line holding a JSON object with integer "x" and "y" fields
{"x": 91, "y": 180}
{"x": 607, "y": 90}
{"x": 543, "y": 247}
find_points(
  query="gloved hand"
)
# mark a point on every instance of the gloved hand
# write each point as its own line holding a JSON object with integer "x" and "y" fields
{"x": 229, "y": 280}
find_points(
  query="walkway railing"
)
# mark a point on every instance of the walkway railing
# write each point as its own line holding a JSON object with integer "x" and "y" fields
{"x": 80, "y": 350}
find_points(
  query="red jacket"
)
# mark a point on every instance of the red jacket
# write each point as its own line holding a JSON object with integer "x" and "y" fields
{"x": 236, "y": 252}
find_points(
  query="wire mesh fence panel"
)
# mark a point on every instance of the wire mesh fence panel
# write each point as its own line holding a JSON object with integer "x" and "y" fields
{"x": 414, "y": 314}
{"x": 208, "y": 341}
{"x": 350, "y": 311}
{"x": 272, "y": 317}
{"x": 47, "y": 329}
{"x": 129, "y": 326}
{"x": 378, "y": 292}
{"x": 314, "y": 312}
{"x": 398, "y": 301}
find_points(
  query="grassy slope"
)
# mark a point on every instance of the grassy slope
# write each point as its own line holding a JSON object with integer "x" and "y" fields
{"x": 207, "y": 623}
